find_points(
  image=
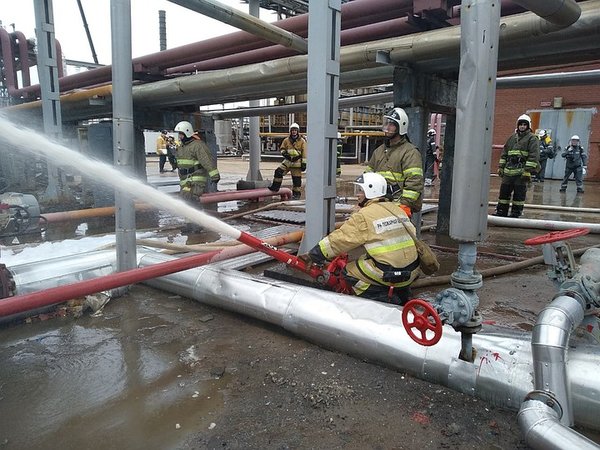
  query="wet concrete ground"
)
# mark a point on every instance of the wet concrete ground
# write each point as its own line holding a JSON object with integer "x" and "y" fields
{"x": 158, "y": 371}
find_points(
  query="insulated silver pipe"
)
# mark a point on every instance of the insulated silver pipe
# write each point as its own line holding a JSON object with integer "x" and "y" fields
{"x": 540, "y": 224}
{"x": 542, "y": 429}
{"x": 549, "y": 343}
{"x": 561, "y": 13}
{"x": 501, "y": 373}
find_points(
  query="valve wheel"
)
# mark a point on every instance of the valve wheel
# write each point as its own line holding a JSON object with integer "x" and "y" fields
{"x": 557, "y": 236}
{"x": 425, "y": 320}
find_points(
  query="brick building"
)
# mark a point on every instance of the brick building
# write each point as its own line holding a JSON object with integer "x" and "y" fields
{"x": 511, "y": 103}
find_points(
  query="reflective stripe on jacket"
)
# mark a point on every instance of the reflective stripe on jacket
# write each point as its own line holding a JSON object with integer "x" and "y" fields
{"x": 196, "y": 155}
{"x": 378, "y": 228}
{"x": 520, "y": 155}
{"x": 402, "y": 167}
{"x": 296, "y": 149}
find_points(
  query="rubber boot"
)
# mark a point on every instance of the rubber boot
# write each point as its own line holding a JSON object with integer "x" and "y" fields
{"x": 516, "y": 211}
{"x": 274, "y": 186}
{"x": 501, "y": 210}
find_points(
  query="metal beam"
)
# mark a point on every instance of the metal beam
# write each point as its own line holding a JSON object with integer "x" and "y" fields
{"x": 246, "y": 22}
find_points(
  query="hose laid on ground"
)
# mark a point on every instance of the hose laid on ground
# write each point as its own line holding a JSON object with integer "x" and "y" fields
{"x": 494, "y": 271}
{"x": 567, "y": 209}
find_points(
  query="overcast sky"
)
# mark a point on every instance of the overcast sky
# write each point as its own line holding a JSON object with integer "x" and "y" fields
{"x": 183, "y": 26}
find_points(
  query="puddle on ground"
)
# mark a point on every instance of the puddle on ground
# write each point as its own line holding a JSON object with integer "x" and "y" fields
{"x": 109, "y": 382}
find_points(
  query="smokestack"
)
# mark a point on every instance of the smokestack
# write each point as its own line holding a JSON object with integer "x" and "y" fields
{"x": 162, "y": 29}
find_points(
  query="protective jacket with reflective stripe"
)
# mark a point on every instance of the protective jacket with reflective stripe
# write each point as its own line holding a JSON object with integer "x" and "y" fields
{"x": 520, "y": 155}
{"x": 378, "y": 228}
{"x": 296, "y": 149}
{"x": 195, "y": 163}
{"x": 402, "y": 167}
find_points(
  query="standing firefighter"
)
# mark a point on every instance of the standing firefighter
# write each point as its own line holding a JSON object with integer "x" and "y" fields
{"x": 195, "y": 164}
{"x": 546, "y": 153}
{"x": 293, "y": 150}
{"x": 518, "y": 161}
{"x": 399, "y": 162}
{"x": 390, "y": 262}
{"x": 430, "y": 158}
{"x": 576, "y": 160}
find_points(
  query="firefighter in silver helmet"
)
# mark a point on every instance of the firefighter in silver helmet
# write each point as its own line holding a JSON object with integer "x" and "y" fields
{"x": 391, "y": 263}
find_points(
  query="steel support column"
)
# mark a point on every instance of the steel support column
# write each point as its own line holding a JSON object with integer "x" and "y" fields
{"x": 324, "y": 26}
{"x": 48, "y": 74}
{"x": 123, "y": 148}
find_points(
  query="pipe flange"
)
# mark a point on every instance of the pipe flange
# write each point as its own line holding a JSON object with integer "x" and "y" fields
{"x": 7, "y": 283}
{"x": 473, "y": 326}
{"x": 466, "y": 282}
{"x": 547, "y": 399}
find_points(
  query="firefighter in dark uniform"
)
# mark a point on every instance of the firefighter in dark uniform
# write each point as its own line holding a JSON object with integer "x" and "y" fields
{"x": 195, "y": 164}
{"x": 293, "y": 150}
{"x": 518, "y": 162}
{"x": 391, "y": 263}
{"x": 399, "y": 162}
{"x": 576, "y": 161}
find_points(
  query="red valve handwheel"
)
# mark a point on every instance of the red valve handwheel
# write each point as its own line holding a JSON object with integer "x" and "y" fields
{"x": 557, "y": 236}
{"x": 425, "y": 318}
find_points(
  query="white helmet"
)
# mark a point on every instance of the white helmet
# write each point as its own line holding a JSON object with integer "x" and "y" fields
{"x": 399, "y": 116}
{"x": 185, "y": 128}
{"x": 372, "y": 184}
{"x": 524, "y": 118}
{"x": 575, "y": 137}
{"x": 541, "y": 133}
{"x": 295, "y": 125}
{"x": 431, "y": 132}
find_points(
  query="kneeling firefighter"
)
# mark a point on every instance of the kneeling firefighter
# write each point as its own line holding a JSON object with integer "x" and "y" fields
{"x": 391, "y": 263}
{"x": 195, "y": 163}
{"x": 293, "y": 150}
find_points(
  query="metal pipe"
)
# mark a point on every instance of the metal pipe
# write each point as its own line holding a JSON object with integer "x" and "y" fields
{"x": 23, "y": 57}
{"x": 247, "y": 83}
{"x": 357, "y": 13}
{"x": 549, "y": 342}
{"x": 64, "y": 216}
{"x": 225, "y": 196}
{"x": 122, "y": 129}
{"x": 540, "y": 224}
{"x": 246, "y": 22}
{"x": 87, "y": 32}
{"x": 561, "y": 13}
{"x": 8, "y": 59}
{"x": 538, "y": 419}
{"x": 500, "y": 374}
{"x": 54, "y": 281}
{"x": 369, "y": 32}
{"x": 582, "y": 77}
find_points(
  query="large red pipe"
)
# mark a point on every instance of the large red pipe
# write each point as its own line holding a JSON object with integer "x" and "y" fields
{"x": 356, "y": 13}
{"x": 53, "y": 296}
{"x": 23, "y": 57}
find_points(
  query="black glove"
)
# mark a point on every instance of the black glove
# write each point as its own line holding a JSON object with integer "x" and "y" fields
{"x": 303, "y": 167}
{"x": 307, "y": 260}
{"x": 285, "y": 154}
